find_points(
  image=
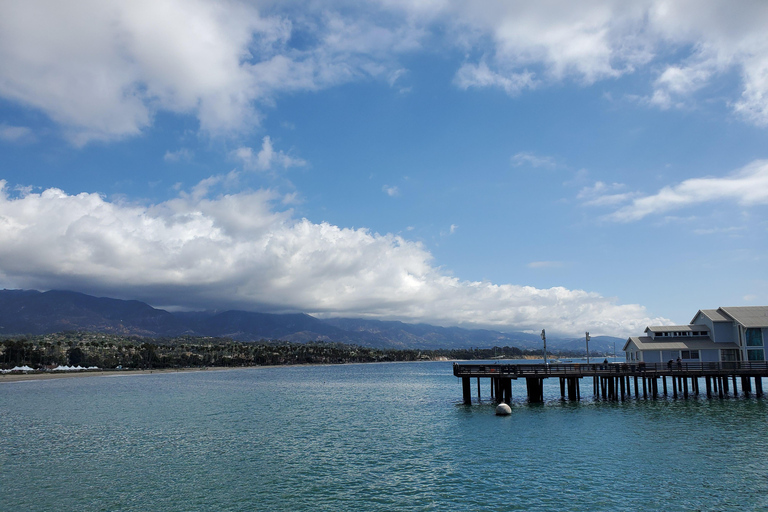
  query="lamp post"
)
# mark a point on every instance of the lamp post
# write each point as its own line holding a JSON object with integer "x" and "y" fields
{"x": 544, "y": 338}
{"x": 587, "y": 337}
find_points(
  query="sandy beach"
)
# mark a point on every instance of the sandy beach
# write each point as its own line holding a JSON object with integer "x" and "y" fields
{"x": 18, "y": 377}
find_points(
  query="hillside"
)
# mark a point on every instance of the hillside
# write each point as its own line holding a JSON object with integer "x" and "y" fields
{"x": 33, "y": 313}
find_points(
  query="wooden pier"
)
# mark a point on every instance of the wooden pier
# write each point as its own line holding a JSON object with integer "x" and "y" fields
{"x": 613, "y": 381}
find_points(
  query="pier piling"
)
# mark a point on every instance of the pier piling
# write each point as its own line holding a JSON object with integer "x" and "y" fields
{"x": 614, "y": 381}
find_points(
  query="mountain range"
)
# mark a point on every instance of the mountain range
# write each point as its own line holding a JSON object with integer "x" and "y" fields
{"x": 33, "y": 312}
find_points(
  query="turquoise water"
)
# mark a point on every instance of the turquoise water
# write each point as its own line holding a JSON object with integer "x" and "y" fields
{"x": 366, "y": 437}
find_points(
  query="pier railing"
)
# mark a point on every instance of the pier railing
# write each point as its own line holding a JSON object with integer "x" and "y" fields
{"x": 514, "y": 371}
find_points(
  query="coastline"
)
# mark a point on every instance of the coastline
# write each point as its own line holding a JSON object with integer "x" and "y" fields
{"x": 32, "y": 376}
{"x": 21, "y": 377}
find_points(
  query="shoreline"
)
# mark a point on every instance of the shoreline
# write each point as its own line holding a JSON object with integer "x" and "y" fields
{"x": 50, "y": 375}
{"x": 22, "y": 377}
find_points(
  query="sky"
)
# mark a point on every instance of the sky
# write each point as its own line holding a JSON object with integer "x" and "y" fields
{"x": 596, "y": 166}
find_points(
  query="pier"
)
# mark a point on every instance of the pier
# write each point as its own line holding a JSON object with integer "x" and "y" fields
{"x": 615, "y": 381}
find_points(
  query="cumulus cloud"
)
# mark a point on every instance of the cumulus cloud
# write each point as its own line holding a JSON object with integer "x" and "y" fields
{"x": 267, "y": 158}
{"x": 240, "y": 251}
{"x": 720, "y": 39}
{"x": 746, "y": 187}
{"x": 587, "y": 41}
{"x": 102, "y": 69}
{"x": 525, "y": 45}
{"x": 676, "y": 84}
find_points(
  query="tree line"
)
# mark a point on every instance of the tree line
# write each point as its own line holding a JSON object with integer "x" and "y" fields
{"x": 115, "y": 351}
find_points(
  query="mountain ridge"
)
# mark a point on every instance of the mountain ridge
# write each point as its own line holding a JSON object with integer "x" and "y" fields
{"x": 34, "y": 312}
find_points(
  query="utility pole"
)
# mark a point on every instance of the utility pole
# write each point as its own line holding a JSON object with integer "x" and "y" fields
{"x": 587, "y": 333}
{"x": 544, "y": 337}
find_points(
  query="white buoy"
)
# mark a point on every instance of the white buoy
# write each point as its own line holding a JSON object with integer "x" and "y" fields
{"x": 503, "y": 410}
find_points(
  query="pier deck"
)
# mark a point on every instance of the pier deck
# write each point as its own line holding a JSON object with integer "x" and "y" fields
{"x": 612, "y": 381}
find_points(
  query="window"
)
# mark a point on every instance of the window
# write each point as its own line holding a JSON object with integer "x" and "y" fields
{"x": 754, "y": 339}
{"x": 755, "y": 355}
{"x": 689, "y": 354}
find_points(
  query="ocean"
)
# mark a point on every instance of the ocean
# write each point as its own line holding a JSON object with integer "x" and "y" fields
{"x": 377, "y": 437}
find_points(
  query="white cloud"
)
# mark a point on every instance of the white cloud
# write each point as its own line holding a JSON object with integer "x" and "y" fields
{"x": 604, "y": 194}
{"x": 180, "y": 155}
{"x": 721, "y": 39}
{"x": 392, "y": 191}
{"x": 676, "y": 83}
{"x": 267, "y": 158}
{"x": 745, "y": 187}
{"x": 589, "y": 41}
{"x": 480, "y": 75}
{"x": 237, "y": 250}
{"x": 529, "y": 44}
{"x": 10, "y": 133}
{"x": 526, "y": 158}
{"x": 102, "y": 69}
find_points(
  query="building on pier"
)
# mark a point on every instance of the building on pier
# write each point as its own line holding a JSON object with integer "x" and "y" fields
{"x": 714, "y": 335}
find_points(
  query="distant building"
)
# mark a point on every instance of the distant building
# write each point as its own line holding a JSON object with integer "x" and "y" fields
{"x": 722, "y": 334}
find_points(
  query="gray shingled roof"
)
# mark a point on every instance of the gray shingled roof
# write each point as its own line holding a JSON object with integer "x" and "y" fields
{"x": 674, "y": 328}
{"x": 648, "y": 343}
{"x": 713, "y": 314}
{"x": 749, "y": 316}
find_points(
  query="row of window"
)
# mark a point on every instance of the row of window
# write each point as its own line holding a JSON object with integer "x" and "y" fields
{"x": 684, "y": 354}
{"x": 753, "y": 354}
{"x": 679, "y": 334}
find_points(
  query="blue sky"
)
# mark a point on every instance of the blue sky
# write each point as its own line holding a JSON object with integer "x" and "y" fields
{"x": 517, "y": 166}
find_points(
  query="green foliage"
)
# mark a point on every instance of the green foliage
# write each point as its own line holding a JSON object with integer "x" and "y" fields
{"x": 111, "y": 350}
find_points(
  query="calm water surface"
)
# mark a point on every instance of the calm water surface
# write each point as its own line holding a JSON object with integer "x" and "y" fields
{"x": 366, "y": 437}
